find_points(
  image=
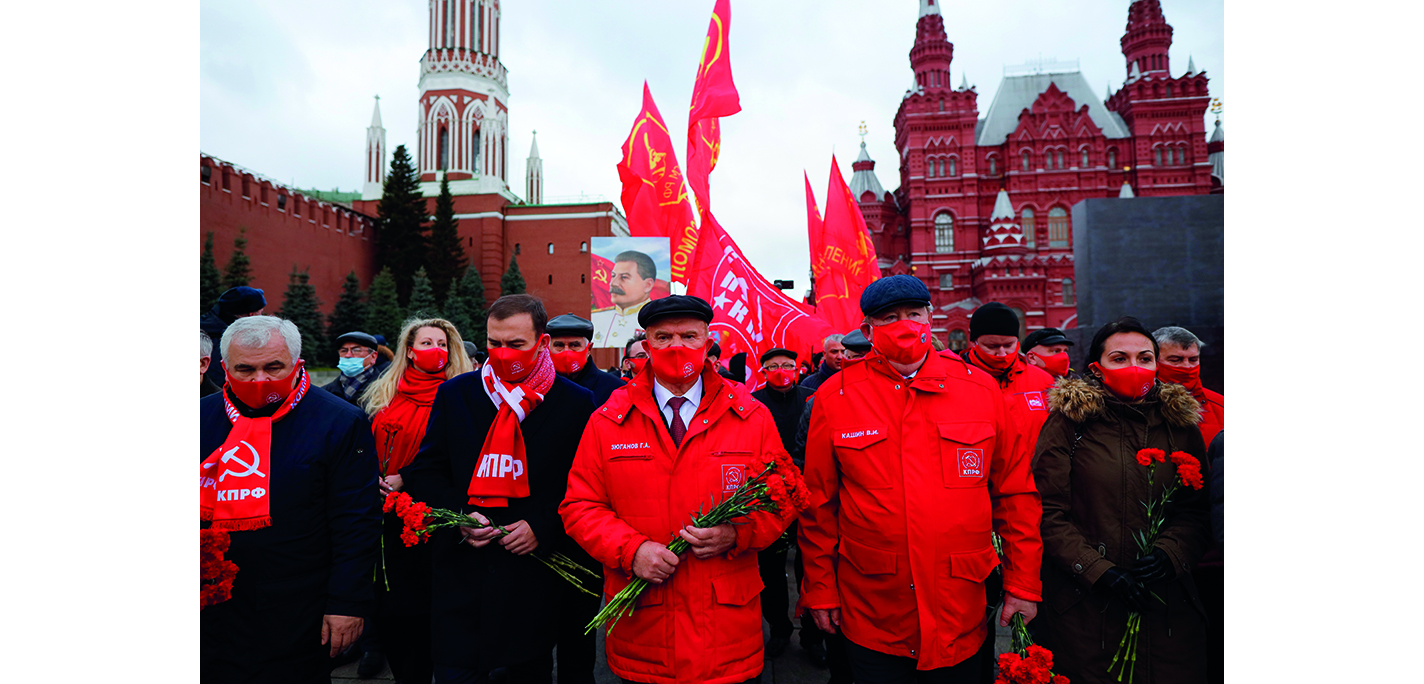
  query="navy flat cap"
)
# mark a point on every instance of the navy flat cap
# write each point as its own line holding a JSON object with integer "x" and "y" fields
{"x": 357, "y": 337}
{"x": 1046, "y": 337}
{"x": 893, "y": 291}
{"x": 777, "y": 351}
{"x": 241, "y": 300}
{"x": 569, "y": 325}
{"x": 674, "y": 306}
{"x": 856, "y": 342}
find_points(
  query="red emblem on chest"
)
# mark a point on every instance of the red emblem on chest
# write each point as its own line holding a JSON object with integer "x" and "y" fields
{"x": 1035, "y": 401}
{"x": 971, "y": 462}
{"x": 733, "y": 476}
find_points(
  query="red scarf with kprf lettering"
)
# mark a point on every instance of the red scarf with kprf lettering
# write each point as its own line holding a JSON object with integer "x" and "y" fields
{"x": 503, "y": 469}
{"x": 234, "y": 480}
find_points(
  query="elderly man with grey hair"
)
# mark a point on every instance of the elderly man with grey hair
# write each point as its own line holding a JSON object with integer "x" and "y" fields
{"x": 290, "y": 473}
{"x": 205, "y": 354}
{"x": 832, "y": 357}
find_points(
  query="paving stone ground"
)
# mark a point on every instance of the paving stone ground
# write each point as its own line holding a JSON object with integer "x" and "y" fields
{"x": 792, "y": 667}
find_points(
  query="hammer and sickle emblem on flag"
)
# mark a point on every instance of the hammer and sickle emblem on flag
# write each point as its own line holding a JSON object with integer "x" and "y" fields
{"x": 231, "y": 455}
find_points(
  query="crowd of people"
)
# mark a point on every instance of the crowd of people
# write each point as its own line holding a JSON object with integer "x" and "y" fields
{"x": 948, "y": 493}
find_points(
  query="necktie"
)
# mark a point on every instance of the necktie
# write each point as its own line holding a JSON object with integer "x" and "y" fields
{"x": 679, "y": 428}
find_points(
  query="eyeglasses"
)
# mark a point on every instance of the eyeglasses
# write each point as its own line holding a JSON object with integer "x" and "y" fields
{"x": 781, "y": 366}
{"x": 354, "y": 352}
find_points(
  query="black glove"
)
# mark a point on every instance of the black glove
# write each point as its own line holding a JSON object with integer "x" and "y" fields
{"x": 1151, "y": 567}
{"x": 1121, "y": 583}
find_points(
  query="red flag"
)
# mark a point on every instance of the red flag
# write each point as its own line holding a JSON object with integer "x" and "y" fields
{"x": 843, "y": 259}
{"x": 748, "y": 313}
{"x": 815, "y": 228}
{"x": 714, "y": 95}
{"x": 654, "y": 197}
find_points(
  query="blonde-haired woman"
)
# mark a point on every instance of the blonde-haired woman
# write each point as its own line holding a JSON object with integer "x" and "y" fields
{"x": 428, "y": 352}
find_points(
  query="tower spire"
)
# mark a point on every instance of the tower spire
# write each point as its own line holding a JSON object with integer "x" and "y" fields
{"x": 932, "y": 52}
{"x": 928, "y": 7}
{"x": 375, "y": 156}
{"x": 534, "y": 174}
{"x": 1147, "y": 39}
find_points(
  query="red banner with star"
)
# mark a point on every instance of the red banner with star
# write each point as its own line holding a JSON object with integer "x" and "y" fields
{"x": 714, "y": 95}
{"x": 843, "y": 259}
{"x": 654, "y": 196}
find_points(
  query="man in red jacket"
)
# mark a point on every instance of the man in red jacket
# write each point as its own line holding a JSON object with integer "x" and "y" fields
{"x": 676, "y": 436}
{"x": 994, "y": 348}
{"x": 911, "y": 461}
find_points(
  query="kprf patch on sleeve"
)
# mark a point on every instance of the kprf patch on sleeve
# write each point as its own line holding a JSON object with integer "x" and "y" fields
{"x": 971, "y": 462}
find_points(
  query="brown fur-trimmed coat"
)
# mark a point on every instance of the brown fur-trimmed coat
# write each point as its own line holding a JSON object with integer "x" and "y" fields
{"x": 1092, "y": 505}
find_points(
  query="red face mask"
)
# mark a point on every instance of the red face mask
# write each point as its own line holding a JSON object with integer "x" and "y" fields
{"x": 1130, "y": 383}
{"x": 432, "y": 360}
{"x": 569, "y": 361}
{"x": 512, "y": 365}
{"x": 994, "y": 362}
{"x": 677, "y": 365}
{"x": 1055, "y": 364}
{"x": 780, "y": 378}
{"x": 259, "y": 393}
{"x": 638, "y": 365}
{"x": 1189, "y": 378}
{"x": 904, "y": 341}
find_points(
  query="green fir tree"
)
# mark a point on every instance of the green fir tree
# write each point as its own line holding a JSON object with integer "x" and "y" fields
{"x": 466, "y": 307}
{"x": 384, "y": 315}
{"x": 422, "y": 298}
{"x": 350, "y": 311}
{"x": 239, "y": 267}
{"x": 301, "y": 306}
{"x": 401, "y": 244}
{"x": 210, "y": 278}
{"x": 447, "y": 256}
{"x": 512, "y": 282}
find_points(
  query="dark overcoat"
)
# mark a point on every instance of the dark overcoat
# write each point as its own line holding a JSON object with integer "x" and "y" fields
{"x": 600, "y": 383}
{"x": 492, "y": 608}
{"x": 316, "y": 558}
{"x": 1093, "y": 496}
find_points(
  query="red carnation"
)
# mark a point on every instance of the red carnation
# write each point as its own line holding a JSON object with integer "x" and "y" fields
{"x": 1040, "y": 656}
{"x": 1147, "y": 456}
{"x": 1060, "y": 679}
{"x": 1188, "y": 468}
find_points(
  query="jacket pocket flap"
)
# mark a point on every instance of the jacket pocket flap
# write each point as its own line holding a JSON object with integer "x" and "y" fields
{"x": 731, "y": 454}
{"x": 966, "y": 433}
{"x": 859, "y": 437}
{"x": 737, "y": 589}
{"x": 869, "y": 561}
{"x": 628, "y": 456}
{"x": 974, "y": 565}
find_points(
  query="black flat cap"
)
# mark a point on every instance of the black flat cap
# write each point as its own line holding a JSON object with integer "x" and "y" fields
{"x": 856, "y": 342}
{"x": 241, "y": 300}
{"x": 993, "y": 318}
{"x": 1046, "y": 337}
{"x": 893, "y": 291}
{"x": 569, "y": 325}
{"x": 674, "y": 306}
{"x": 470, "y": 349}
{"x": 777, "y": 351}
{"x": 357, "y": 337}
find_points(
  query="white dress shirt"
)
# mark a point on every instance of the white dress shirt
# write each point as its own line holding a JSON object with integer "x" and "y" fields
{"x": 693, "y": 396}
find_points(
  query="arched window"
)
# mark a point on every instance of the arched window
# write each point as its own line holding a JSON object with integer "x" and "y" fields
{"x": 944, "y": 232}
{"x": 475, "y": 152}
{"x": 1057, "y": 227}
{"x": 958, "y": 340}
{"x": 1084, "y": 163}
{"x": 583, "y": 278}
{"x": 953, "y": 167}
{"x": 1069, "y": 299}
{"x": 583, "y": 248}
{"x": 449, "y": 25}
{"x": 993, "y": 166}
{"x": 1112, "y": 158}
{"x": 1023, "y": 321}
{"x": 444, "y": 148}
{"x": 516, "y": 249}
{"x": 1025, "y": 160}
{"x": 1026, "y": 222}
{"x": 1060, "y": 159}
{"x": 929, "y": 168}
{"x": 946, "y": 281}
{"x": 551, "y": 248}
{"x": 1169, "y": 90}
{"x": 1157, "y": 156}
{"x": 1181, "y": 155}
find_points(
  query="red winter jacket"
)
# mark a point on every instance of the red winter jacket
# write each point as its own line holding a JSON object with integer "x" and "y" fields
{"x": 1213, "y": 412}
{"x": 629, "y": 484}
{"x": 1025, "y": 387}
{"x": 907, "y": 478}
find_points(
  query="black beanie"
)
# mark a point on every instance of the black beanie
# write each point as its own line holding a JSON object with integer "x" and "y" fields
{"x": 993, "y": 318}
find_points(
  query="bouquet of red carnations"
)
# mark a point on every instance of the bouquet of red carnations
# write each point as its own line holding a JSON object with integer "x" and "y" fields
{"x": 217, "y": 573}
{"x": 419, "y": 521}
{"x": 1188, "y": 475}
{"x": 778, "y": 487}
{"x": 1028, "y": 663}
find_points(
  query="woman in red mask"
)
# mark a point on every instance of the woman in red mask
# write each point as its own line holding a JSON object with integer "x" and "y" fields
{"x": 1086, "y": 469}
{"x": 428, "y": 352}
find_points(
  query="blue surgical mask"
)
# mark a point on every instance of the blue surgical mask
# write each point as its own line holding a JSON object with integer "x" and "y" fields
{"x": 351, "y": 366}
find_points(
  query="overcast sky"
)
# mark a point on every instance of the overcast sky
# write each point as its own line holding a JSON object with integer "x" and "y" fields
{"x": 286, "y": 87}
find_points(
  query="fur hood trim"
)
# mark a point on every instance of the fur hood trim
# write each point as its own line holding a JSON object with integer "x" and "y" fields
{"x": 1083, "y": 399}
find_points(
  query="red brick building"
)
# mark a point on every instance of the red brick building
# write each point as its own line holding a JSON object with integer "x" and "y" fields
{"x": 463, "y": 134}
{"x": 983, "y": 208}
